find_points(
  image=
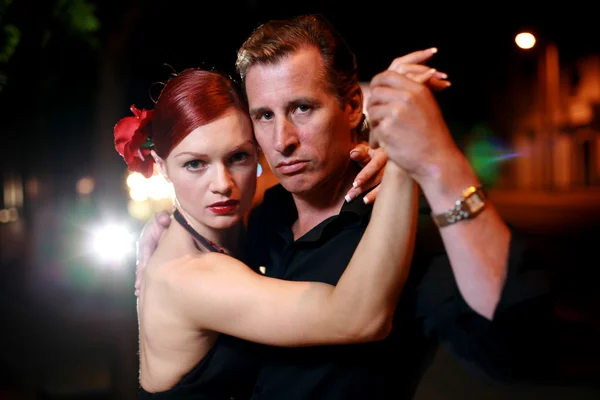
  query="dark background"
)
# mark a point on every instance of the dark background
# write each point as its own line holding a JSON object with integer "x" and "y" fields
{"x": 72, "y": 71}
{"x": 78, "y": 65}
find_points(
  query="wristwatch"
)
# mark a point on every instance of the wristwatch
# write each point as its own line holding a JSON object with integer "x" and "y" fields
{"x": 471, "y": 203}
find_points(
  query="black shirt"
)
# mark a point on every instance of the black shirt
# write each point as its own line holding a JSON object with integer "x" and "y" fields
{"x": 430, "y": 310}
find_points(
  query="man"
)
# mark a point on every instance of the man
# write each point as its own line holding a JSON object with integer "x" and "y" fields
{"x": 301, "y": 82}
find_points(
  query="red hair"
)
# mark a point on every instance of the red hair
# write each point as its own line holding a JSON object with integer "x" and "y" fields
{"x": 191, "y": 99}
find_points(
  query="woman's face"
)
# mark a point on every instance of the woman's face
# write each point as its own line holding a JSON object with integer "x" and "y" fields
{"x": 213, "y": 171}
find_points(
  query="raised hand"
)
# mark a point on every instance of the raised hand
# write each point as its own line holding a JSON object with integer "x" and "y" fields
{"x": 406, "y": 120}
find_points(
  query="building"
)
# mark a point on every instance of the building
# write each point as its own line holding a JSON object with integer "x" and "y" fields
{"x": 558, "y": 139}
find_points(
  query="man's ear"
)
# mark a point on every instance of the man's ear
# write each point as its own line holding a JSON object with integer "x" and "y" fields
{"x": 162, "y": 167}
{"x": 355, "y": 103}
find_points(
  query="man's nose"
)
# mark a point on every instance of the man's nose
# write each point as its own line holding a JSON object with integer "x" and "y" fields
{"x": 286, "y": 138}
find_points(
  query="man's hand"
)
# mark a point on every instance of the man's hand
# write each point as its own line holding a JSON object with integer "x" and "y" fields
{"x": 373, "y": 163}
{"x": 369, "y": 156}
{"x": 406, "y": 120}
{"x": 151, "y": 234}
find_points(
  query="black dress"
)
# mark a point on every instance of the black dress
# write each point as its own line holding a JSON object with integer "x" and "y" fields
{"x": 229, "y": 369}
{"x": 227, "y": 372}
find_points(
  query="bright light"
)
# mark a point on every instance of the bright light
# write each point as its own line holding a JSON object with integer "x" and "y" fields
{"x": 138, "y": 194}
{"x": 141, "y": 210}
{"x": 525, "y": 40}
{"x": 135, "y": 180}
{"x": 155, "y": 187}
{"x": 111, "y": 243}
{"x": 158, "y": 188}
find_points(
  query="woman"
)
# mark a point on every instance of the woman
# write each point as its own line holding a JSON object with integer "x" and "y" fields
{"x": 196, "y": 296}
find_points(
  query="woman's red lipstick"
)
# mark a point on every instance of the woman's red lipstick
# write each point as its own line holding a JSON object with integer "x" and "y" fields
{"x": 224, "y": 207}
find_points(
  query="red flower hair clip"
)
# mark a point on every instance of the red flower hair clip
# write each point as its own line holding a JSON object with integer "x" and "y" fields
{"x": 132, "y": 135}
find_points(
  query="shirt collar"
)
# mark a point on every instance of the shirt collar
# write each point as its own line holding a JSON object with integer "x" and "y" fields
{"x": 284, "y": 214}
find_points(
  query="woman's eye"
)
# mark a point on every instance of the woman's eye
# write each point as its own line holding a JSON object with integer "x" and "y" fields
{"x": 239, "y": 157}
{"x": 194, "y": 164}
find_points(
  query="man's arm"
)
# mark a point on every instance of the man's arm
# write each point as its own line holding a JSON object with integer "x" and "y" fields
{"x": 480, "y": 265}
{"x": 408, "y": 123}
{"x": 519, "y": 343}
{"x": 478, "y": 248}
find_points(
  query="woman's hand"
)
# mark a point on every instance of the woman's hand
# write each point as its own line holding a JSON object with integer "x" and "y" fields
{"x": 373, "y": 163}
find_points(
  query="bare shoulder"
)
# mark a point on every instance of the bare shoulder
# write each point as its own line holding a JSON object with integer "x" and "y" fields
{"x": 204, "y": 268}
{"x": 160, "y": 269}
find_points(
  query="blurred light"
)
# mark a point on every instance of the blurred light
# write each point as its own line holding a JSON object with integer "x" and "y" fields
{"x": 135, "y": 180}
{"x": 487, "y": 153}
{"x": 13, "y": 190}
{"x": 158, "y": 188}
{"x": 111, "y": 243}
{"x": 85, "y": 186}
{"x": 32, "y": 187}
{"x": 138, "y": 194}
{"x": 141, "y": 210}
{"x": 148, "y": 195}
{"x": 525, "y": 40}
{"x": 8, "y": 215}
{"x": 155, "y": 187}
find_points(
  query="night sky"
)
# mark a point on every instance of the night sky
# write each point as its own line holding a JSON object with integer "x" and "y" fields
{"x": 53, "y": 95}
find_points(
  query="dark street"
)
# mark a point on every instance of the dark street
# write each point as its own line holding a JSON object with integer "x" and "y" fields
{"x": 62, "y": 343}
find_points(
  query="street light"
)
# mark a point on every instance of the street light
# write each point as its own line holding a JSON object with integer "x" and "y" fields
{"x": 548, "y": 98}
{"x": 111, "y": 243}
{"x": 525, "y": 40}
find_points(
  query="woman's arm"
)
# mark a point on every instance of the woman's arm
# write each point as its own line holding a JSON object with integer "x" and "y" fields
{"x": 219, "y": 293}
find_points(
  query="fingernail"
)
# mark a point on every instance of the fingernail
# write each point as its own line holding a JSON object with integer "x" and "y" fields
{"x": 353, "y": 152}
{"x": 432, "y": 71}
{"x": 348, "y": 198}
{"x": 356, "y": 183}
{"x": 433, "y": 50}
{"x": 442, "y": 75}
{"x": 366, "y": 200}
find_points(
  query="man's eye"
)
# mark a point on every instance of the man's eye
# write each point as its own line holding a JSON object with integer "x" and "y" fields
{"x": 266, "y": 116}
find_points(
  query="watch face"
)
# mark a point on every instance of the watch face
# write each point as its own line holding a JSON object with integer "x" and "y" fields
{"x": 474, "y": 203}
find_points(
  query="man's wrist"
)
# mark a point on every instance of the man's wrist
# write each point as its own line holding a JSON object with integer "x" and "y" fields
{"x": 445, "y": 181}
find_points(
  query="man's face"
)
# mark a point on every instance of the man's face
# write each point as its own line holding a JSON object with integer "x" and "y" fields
{"x": 301, "y": 127}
